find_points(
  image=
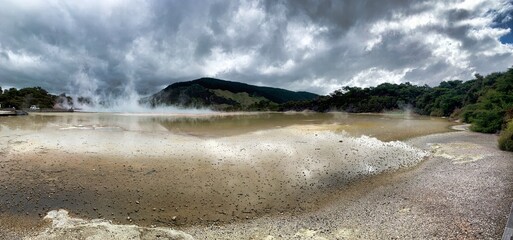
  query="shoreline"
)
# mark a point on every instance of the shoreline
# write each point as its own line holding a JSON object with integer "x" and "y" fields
{"x": 440, "y": 198}
{"x": 230, "y": 179}
{"x": 358, "y": 192}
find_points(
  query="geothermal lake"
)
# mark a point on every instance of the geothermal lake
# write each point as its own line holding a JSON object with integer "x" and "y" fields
{"x": 172, "y": 170}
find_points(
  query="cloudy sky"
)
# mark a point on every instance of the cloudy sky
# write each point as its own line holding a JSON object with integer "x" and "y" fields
{"x": 318, "y": 45}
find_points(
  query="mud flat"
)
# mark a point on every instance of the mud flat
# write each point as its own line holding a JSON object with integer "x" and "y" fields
{"x": 463, "y": 190}
{"x": 305, "y": 181}
{"x": 162, "y": 179}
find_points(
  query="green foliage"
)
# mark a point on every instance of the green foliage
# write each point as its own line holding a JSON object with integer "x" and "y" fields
{"x": 276, "y": 95}
{"x": 384, "y": 97}
{"x": 437, "y": 112}
{"x": 487, "y": 121}
{"x": 26, "y": 97}
{"x": 506, "y": 138}
{"x": 225, "y": 96}
{"x": 486, "y": 101}
{"x": 243, "y": 98}
{"x": 264, "y": 105}
{"x": 494, "y": 105}
{"x": 441, "y": 101}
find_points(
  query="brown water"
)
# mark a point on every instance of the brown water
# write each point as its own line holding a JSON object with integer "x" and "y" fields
{"x": 188, "y": 169}
{"x": 385, "y": 127}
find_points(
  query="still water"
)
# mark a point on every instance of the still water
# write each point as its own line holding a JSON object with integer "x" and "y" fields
{"x": 385, "y": 127}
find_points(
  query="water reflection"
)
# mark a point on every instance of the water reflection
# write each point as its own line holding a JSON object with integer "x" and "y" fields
{"x": 381, "y": 126}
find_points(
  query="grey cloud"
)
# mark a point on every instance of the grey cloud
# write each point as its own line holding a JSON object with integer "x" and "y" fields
{"x": 299, "y": 44}
{"x": 435, "y": 71}
{"x": 458, "y": 15}
{"x": 4, "y": 55}
{"x": 204, "y": 46}
{"x": 340, "y": 16}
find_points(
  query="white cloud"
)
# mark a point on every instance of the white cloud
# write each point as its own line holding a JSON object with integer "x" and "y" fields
{"x": 220, "y": 62}
{"x": 375, "y": 76}
{"x": 278, "y": 70}
{"x": 22, "y": 60}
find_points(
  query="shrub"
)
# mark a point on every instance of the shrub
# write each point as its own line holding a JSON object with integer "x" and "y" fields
{"x": 437, "y": 112}
{"x": 487, "y": 121}
{"x": 506, "y": 138}
{"x": 468, "y": 112}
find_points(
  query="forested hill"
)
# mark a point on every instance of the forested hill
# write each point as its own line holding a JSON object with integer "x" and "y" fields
{"x": 485, "y": 101}
{"x": 225, "y": 95}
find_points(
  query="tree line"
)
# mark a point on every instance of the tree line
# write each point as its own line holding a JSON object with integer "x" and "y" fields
{"x": 26, "y": 97}
{"x": 485, "y": 101}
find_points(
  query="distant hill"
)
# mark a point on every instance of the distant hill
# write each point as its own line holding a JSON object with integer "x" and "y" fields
{"x": 225, "y": 95}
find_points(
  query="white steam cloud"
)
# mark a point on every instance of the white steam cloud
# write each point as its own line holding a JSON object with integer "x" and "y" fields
{"x": 88, "y": 96}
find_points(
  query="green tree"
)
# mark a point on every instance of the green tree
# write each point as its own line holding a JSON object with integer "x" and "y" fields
{"x": 26, "y": 97}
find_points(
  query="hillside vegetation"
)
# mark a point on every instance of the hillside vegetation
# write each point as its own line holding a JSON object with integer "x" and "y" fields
{"x": 225, "y": 95}
{"x": 485, "y": 101}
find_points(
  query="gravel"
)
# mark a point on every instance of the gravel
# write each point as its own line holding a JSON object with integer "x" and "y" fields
{"x": 441, "y": 198}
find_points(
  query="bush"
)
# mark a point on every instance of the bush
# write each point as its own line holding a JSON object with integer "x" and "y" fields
{"x": 506, "y": 138}
{"x": 487, "y": 121}
{"x": 437, "y": 112}
{"x": 467, "y": 112}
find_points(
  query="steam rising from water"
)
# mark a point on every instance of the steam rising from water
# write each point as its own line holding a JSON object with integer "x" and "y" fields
{"x": 123, "y": 99}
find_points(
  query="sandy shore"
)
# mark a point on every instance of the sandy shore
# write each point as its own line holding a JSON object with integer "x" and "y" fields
{"x": 463, "y": 190}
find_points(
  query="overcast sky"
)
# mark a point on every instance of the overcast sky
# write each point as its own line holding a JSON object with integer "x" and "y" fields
{"x": 318, "y": 45}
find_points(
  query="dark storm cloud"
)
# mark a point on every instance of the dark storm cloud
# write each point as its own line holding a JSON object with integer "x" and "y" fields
{"x": 118, "y": 46}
